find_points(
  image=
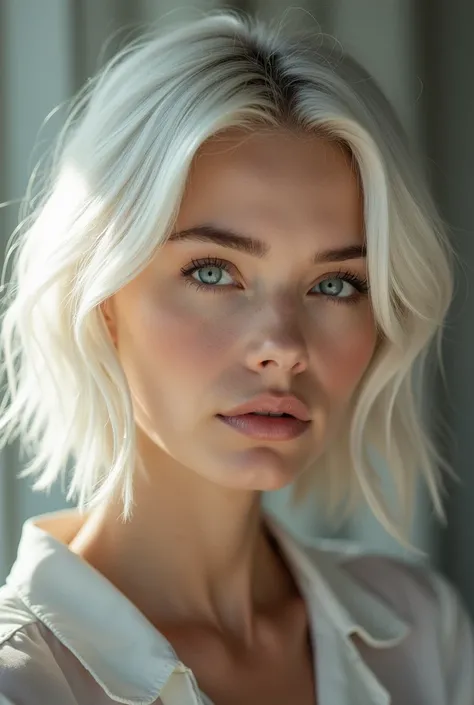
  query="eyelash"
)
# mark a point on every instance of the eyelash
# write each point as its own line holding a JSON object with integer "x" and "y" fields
{"x": 360, "y": 284}
{"x": 196, "y": 264}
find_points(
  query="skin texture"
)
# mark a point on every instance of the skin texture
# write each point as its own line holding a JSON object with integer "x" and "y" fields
{"x": 195, "y": 557}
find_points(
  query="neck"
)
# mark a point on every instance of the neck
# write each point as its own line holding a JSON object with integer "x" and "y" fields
{"x": 192, "y": 551}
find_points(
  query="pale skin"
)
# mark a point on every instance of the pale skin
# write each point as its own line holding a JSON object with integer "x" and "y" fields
{"x": 195, "y": 558}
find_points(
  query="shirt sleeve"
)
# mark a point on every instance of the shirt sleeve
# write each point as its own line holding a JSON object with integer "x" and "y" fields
{"x": 456, "y": 638}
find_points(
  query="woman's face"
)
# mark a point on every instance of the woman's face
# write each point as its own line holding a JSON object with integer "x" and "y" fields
{"x": 216, "y": 320}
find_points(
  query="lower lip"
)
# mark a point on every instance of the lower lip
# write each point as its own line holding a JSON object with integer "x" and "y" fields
{"x": 267, "y": 428}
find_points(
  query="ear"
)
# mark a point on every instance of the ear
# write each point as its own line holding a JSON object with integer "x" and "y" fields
{"x": 108, "y": 314}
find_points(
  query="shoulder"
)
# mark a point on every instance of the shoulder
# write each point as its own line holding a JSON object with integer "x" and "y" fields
{"x": 29, "y": 672}
{"x": 412, "y": 589}
{"x": 441, "y": 631}
{"x": 397, "y": 580}
{"x": 415, "y": 590}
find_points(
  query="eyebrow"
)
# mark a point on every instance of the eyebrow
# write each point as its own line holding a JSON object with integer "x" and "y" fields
{"x": 252, "y": 246}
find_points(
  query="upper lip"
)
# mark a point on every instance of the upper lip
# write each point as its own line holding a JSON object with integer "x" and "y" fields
{"x": 273, "y": 403}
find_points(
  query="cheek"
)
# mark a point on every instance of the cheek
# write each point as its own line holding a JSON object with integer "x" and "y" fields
{"x": 346, "y": 351}
{"x": 187, "y": 344}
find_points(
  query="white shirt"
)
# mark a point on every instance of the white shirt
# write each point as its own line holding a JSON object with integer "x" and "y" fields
{"x": 69, "y": 637}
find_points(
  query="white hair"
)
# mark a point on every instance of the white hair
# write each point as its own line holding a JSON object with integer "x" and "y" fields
{"x": 112, "y": 198}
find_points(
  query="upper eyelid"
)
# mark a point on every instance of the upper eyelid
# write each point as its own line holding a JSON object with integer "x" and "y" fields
{"x": 225, "y": 264}
{"x": 213, "y": 262}
{"x": 208, "y": 262}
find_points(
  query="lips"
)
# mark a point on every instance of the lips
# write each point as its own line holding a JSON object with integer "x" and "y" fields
{"x": 272, "y": 404}
{"x": 255, "y": 418}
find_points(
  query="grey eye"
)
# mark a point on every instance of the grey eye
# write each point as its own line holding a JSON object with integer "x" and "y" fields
{"x": 211, "y": 275}
{"x": 335, "y": 287}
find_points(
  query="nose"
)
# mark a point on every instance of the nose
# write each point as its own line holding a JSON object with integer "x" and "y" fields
{"x": 278, "y": 346}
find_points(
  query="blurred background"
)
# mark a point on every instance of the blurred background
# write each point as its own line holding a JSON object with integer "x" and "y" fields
{"x": 422, "y": 54}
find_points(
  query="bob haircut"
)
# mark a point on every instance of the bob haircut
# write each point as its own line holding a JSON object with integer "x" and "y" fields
{"x": 110, "y": 201}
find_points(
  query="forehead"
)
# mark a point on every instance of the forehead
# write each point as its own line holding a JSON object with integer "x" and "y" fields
{"x": 272, "y": 175}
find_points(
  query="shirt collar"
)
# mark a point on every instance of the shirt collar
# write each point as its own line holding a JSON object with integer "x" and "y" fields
{"x": 121, "y": 649}
{"x": 352, "y": 608}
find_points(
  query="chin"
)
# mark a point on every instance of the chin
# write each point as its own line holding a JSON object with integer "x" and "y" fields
{"x": 261, "y": 470}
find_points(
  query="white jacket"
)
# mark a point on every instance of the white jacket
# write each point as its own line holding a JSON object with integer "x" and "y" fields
{"x": 69, "y": 637}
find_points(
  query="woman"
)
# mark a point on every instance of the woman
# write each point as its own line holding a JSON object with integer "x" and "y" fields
{"x": 190, "y": 322}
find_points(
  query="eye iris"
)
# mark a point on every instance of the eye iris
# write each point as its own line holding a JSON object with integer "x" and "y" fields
{"x": 332, "y": 286}
{"x": 210, "y": 275}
